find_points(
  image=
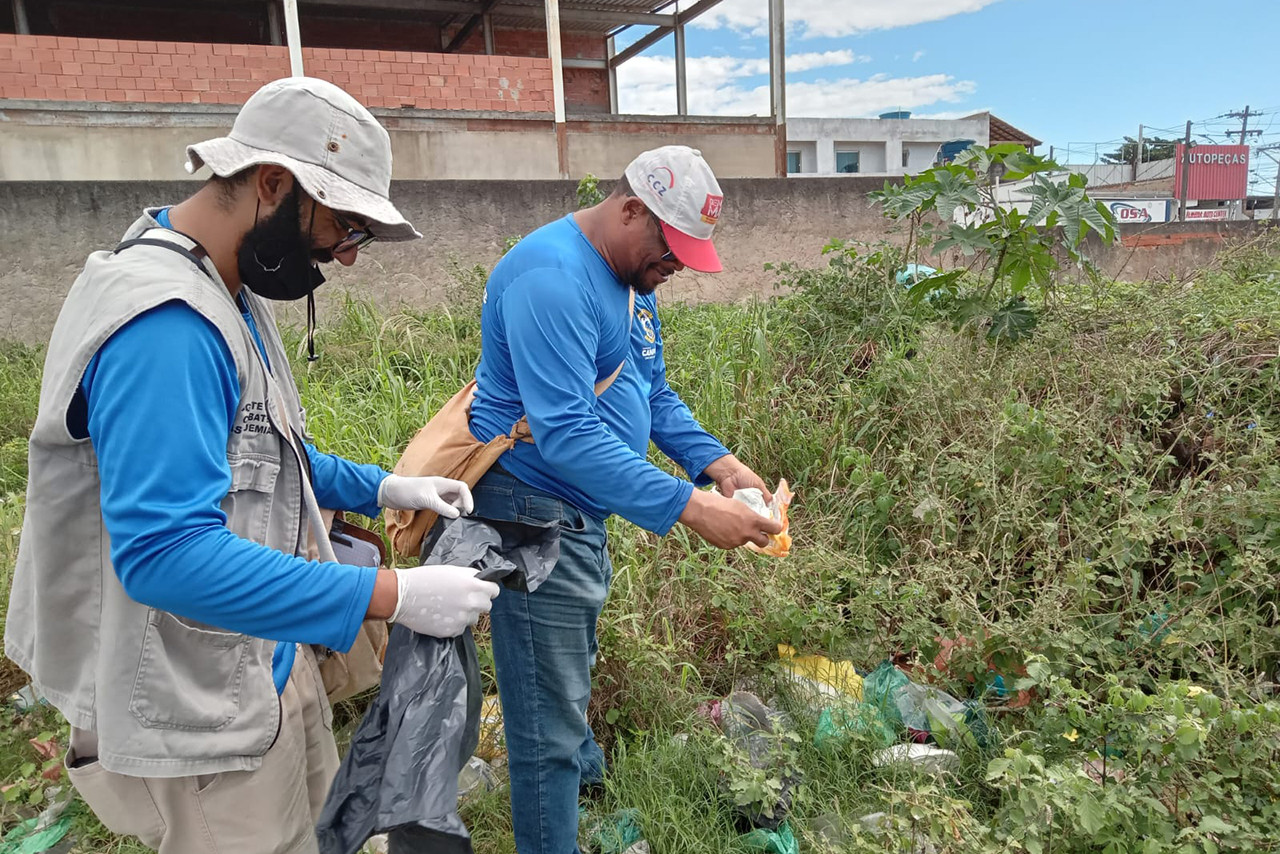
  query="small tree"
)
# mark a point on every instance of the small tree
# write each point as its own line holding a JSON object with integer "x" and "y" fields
{"x": 589, "y": 192}
{"x": 1009, "y": 251}
{"x": 1155, "y": 148}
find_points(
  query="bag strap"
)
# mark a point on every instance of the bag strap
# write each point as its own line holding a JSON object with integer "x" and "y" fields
{"x": 521, "y": 432}
{"x": 195, "y": 253}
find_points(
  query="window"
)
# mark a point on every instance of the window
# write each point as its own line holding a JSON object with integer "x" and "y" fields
{"x": 906, "y": 157}
{"x": 793, "y": 162}
{"x": 846, "y": 161}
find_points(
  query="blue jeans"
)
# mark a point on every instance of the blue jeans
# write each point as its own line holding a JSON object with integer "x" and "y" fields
{"x": 544, "y": 645}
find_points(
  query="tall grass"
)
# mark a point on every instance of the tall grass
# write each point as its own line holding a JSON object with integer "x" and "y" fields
{"x": 1105, "y": 495}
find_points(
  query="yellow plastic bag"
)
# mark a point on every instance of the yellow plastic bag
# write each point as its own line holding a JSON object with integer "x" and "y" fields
{"x": 492, "y": 744}
{"x": 821, "y": 674}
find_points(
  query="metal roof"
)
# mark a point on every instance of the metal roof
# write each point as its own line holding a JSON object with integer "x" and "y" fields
{"x": 576, "y": 16}
{"x": 531, "y": 14}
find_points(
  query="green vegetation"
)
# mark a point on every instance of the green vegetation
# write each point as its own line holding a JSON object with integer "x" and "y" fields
{"x": 954, "y": 207}
{"x": 1091, "y": 513}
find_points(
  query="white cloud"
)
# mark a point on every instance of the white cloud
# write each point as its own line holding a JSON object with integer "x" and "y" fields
{"x": 850, "y": 97}
{"x": 827, "y": 18}
{"x": 809, "y": 61}
{"x": 720, "y": 85}
{"x": 915, "y": 57}
{"x": 647, "y": 84}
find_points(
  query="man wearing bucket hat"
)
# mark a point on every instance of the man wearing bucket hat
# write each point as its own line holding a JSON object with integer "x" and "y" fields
{"x": 558, "y": 320}
{"x": 161, "y": 600}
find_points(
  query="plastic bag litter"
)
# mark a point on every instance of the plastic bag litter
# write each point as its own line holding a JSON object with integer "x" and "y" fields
{"x": 753, "y": 728}
{"x": 779, "y": 544}
{"x": 617, "y": 833}
{"x": 492, "y": 742}
{"x": 880, "y": 688}
{"x": 42, "y": 832}
{"x": 780, "y": 841}
{"x": 838, "y": 724}
{"x": 400, "y": 776}
{"x": 925, "y": 757}
{"x": 913, "y": 273}
{"x": 476, "y": 776}
{"x": 820, "y": 674}
{"x": 925, "y": 709}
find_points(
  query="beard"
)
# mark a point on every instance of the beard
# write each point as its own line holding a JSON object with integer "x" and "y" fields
{"x": 275, "y": 258}
{"x": 636, "y": 279}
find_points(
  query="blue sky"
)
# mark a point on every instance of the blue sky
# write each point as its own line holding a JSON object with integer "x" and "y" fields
{"x": 1077, "y": 74}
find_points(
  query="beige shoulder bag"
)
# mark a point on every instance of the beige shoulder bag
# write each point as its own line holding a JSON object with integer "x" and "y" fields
{"x": 446, "y": 448}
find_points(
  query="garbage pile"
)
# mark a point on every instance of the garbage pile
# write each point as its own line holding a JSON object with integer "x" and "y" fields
{"x": 908, "y": 724}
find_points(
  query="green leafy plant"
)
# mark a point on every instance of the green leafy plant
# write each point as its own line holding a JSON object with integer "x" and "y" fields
{"x": 758, "y": 788}
{"x": 1180, "y": 768}
{"x": 589, "y": 192}
{"x": 510, "y": 243}
{"x": 1007, "y": 251}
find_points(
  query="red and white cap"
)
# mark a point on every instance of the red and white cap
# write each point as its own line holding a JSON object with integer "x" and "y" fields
{"x": 678, "y": 186}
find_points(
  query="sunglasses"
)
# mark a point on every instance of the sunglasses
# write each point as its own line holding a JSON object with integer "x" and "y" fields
{"x": 356, "y": 237}
{"x": 670, "y": 256}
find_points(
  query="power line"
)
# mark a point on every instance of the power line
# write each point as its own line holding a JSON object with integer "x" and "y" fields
{"x": 1244, "y": 124}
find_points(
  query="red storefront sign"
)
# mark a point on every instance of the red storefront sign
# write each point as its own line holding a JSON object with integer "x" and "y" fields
{"x": 1217, "y": 172}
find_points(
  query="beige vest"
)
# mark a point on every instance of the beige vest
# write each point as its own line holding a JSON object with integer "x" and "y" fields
{"x": 166, "y": 696}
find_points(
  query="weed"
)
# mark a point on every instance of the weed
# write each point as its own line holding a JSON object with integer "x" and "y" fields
{"x": 1090, "y": 517}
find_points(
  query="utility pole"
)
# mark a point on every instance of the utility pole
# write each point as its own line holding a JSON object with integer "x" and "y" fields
{"x": 1245, "y": 133}
{"x": 1186, "y": 174}
{"x": 778, "y": 84}
{"x": 1137, "y": 156}
{"x": 1244, "y": 124}
{"x": 1275, "y": 200}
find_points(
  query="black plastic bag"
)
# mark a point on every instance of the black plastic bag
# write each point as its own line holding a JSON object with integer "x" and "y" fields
{"x": 400, "y": 776}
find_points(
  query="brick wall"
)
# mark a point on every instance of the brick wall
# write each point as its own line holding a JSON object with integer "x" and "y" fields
{"x": 586, "y": 90}
{"x": 84, "y": 69}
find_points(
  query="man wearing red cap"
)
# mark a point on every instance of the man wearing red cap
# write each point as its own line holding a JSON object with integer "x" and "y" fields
{"x": 571, "y": 339}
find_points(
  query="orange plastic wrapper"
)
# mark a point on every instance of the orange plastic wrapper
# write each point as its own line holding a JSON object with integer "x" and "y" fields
{"x": 779, "y": 544}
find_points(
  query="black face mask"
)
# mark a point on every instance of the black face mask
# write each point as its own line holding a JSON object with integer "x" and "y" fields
{"x": 275, "y": 256}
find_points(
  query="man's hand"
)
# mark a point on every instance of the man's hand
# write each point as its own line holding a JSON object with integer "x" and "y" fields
{"x": 440, "y": 601}
{"x": 726, "y": 523}
{"x": 730, "y": 475}
{"x": 438, "y": 494}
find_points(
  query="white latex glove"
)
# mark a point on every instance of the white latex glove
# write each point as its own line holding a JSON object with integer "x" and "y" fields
{"x": 441, "y": 601}
{"x": 438, "y": 494}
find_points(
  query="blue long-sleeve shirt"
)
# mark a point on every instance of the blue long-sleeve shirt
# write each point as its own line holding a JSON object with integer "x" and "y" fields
{"x": 555, "y": 322}
{"x": 159, "y": 399}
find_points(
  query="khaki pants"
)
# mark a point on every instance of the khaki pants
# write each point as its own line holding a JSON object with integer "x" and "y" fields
{"x": 272, "y": 810}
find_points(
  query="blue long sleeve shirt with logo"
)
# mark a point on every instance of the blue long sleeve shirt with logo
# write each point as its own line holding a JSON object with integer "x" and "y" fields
{"x": 554, "y": 323}
{"x": 159, "y": 400}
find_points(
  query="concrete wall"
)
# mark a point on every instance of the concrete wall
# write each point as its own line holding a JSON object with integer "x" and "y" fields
{"x": 920, "y": 156}
{"x": 135, "y": 142}
{"x": 872, "y": 156}
{"x": 881, "y": 141}
{"x": 1122, "y": 173}
{"x": 808, "y": 156}
{"x": 51, "y": 227}
{"x": 735, "y": 148}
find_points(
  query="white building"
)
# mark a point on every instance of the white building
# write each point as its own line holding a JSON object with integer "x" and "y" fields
{"x": 894, "y": 144}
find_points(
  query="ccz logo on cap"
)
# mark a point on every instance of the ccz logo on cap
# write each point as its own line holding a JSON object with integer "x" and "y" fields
{"x": 711, "y": 210}
{"x": 661, "y": 180}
